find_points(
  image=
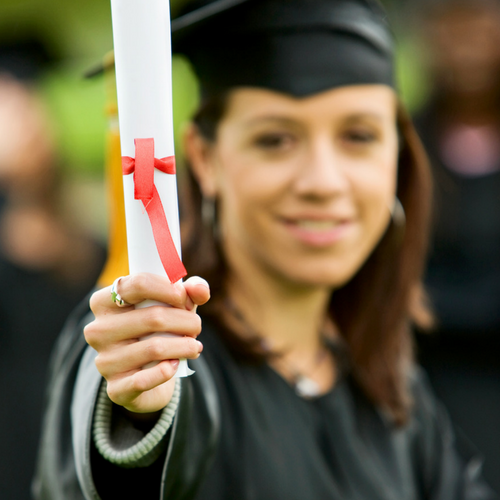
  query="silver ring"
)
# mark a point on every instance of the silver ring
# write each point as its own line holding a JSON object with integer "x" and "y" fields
{"x": 115, "y": 296}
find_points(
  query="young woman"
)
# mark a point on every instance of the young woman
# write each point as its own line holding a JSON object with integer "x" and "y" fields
{"x": 303, "y": 165}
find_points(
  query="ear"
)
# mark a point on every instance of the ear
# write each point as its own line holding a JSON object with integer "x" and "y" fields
{"x": 199, "y": 153}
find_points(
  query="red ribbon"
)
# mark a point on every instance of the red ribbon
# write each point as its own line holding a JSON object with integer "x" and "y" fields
{"x": 145, "y": 190}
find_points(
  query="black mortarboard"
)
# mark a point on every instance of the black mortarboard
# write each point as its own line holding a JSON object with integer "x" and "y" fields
{"x": 24, "y": 59}
{"x": 300, "y": 47}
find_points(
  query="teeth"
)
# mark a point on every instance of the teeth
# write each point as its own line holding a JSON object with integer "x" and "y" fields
{"x": 318, "y": 225}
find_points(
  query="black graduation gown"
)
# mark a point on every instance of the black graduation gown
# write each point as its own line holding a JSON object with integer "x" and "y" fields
{"x": 242, "y": 433}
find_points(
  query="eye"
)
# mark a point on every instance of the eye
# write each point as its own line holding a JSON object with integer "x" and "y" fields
{"x": 274, "y": 141}
{"x": 360, "y": 136}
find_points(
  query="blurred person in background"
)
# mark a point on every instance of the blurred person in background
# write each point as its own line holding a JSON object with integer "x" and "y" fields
{"x": 47, "y": 265}
{"x": 460, "y": 128}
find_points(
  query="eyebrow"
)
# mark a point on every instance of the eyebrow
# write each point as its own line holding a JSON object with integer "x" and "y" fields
{"x": 270, "y": 118}
{"x": 364, "y": 115}
{"x": 352, "y": 118}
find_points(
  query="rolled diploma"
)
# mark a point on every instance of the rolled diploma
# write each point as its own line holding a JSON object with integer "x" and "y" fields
{"x": 143, "y": 63}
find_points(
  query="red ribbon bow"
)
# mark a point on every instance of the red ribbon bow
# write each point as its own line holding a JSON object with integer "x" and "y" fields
{"x": 145, "y": 190}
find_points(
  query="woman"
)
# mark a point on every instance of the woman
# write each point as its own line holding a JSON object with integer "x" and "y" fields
{"x": 306, "y": 387}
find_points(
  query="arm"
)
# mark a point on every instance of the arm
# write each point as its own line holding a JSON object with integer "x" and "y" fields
{"x": 69, "y": 464}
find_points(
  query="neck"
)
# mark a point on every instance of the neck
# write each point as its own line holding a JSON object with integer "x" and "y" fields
{"x": 289, "y": 316}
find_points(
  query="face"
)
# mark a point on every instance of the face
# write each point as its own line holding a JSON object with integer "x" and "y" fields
{"x": 465, "y": 47}
{"x": 304, "y": 186}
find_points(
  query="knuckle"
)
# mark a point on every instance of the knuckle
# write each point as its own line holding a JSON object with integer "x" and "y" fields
{"x": 98, "y": 298}
{"x": 113, "y": 393}
{"x": 167, "y": 371}
{"x": 155, "y": 348}
{"x": 140, "y": 282}
{"x": 91, "y": 335}
{"x": 138, "y": 383}
{"x": 100, "y": 364}
{"x": 155, "y": 319}
{"x": 93, "y": 301}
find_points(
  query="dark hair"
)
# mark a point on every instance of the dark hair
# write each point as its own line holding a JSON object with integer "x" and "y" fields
{"x": 373, "y": 311}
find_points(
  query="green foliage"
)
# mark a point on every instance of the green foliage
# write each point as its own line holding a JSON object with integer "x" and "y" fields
{"x": 185, "y": 96}
{"x": 412, "y": 76}
{"x": 77, "y": 107}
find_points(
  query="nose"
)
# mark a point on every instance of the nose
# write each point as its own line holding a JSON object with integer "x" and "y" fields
{"x": 322, "y": 174}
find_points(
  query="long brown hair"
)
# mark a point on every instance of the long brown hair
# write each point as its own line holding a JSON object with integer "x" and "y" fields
{"x": 373, "y": 311}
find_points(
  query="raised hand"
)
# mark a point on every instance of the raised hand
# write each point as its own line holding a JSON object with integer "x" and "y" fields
{"x": 117, "y": 334}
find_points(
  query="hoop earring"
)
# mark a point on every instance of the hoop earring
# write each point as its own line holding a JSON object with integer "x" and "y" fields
{"x": 398, "y": 215}
{"x": 208, "y": 211}
{"x": 209, "y": 216}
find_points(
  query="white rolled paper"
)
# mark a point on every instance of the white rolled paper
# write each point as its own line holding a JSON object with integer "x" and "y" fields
{"x": 143, "y": 64}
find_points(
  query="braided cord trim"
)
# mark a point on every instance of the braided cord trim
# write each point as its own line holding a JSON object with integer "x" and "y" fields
{"x": 130, "y": 449}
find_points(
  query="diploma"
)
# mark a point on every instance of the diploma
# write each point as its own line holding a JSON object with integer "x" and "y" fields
{"x": 143, "y": 64}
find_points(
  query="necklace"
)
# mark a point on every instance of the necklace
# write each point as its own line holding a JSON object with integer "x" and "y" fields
{"x": 303, "y": 384}
{"x": 306, "y": 387}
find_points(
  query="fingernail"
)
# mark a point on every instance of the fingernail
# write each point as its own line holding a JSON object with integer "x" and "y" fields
{"x": 199, "y": 281}
{"x": 174, "y": 363}
{"x": 200, "y": 346}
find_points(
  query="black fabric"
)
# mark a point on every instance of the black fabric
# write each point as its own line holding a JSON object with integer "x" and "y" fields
{"x": 272, "y": 444}
{"x": 55, "y": 477}
{"x": 463, "y": 275}
{"x": 33, "y": 309}
{"x": 300, "y": 47}
{"x": 463, "y": 280}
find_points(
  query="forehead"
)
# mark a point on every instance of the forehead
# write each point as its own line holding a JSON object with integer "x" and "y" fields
{"x": 254, "y": 104}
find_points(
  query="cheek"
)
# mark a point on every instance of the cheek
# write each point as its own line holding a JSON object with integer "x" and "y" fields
{"x": 375, "y": 192}
{"x": 243, "y": 183}
{"x": 241, "y": 191}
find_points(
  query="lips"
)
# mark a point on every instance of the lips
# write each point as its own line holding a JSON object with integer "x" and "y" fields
{"x": 318, "y": 232}
{"x": 316, "y": 225}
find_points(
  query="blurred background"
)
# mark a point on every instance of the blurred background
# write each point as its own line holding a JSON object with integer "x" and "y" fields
{"x": 57, "y": 132}
{"x": 56, "y": 135}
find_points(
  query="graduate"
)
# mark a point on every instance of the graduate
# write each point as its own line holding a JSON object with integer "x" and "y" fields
{"x": 305, "y": 225}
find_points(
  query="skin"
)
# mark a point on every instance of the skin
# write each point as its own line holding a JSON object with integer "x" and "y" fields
{"x": 464, "y": 44}
{"x": 28, "y": 182}
{"x": 27, "y": 147}
{"x": 304, "y": 188}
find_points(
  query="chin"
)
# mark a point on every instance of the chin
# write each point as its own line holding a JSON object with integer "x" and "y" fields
{"x": 322, "y": 276}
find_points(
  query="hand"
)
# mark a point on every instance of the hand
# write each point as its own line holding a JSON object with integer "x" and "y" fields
{"x": 116, "y": 335}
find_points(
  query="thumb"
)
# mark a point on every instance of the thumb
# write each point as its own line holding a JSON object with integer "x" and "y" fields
{"x": 198, "y": 292}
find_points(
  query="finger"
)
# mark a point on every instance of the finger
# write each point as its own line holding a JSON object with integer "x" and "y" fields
{"x": 137, "y": 288}
{"x": 131, "y": 357}
{"x": 144, "y": 390}
{"x": 136, "y": 323}
{"x": 198, "y": 292}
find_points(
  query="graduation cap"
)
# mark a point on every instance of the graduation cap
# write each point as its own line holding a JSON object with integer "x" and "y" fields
{"x": 300, "y": 47}
{"x": 24, "y": 58}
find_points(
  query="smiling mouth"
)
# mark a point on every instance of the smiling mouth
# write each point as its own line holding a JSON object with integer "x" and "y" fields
{"x": 316, "y": 225}
{"x": 319, "y": 232}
